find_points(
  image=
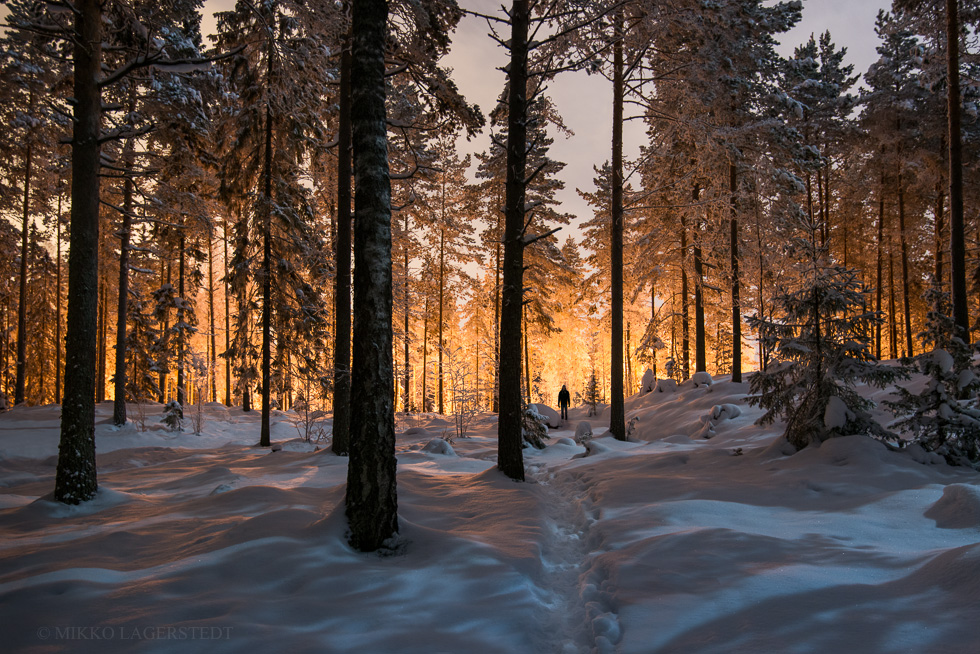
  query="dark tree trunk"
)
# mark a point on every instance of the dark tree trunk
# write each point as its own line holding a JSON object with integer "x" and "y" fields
{"x": 372, "y": 503}
{"x": 617, "y": 409}
{"x": 957, "y": 246}
{"x": 57, "y": 314}
{"x": 227, "y": 319}
{"x": 700, "y": 356}
{"x": 408, "y": 363}
{"x": 181, "y": 315}
{"x": 527, "y": 359}
{"x": 940, "y": 227}
{"x": 892, "y": 320}
{"x": 685, "y": 312}
{"x": 212, "y": 357}
{"x": 495, "y": 400}
{"x": 20, "y": 384}
{"x": 342, "y": 293}
{"x": 76, "y": 479}
{"x": 265, "y": 439}
{"x": 442, "y": 299}
{"x": 102, "y": 342}
{"x": 510, "y": 455}
{"x": 119, "y": 377}
{"x": 736, "y": 280}
{"x": 879, "y": 278}
{"x": 905, "y": 267}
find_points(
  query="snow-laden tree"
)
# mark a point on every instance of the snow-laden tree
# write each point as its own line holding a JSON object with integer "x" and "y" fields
{"x": 943, "y": 417}
{"x": 277, "y": 67}
{"x": 819, "y": 339}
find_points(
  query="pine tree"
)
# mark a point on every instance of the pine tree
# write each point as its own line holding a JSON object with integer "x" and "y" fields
{"x": 944, "y": 416}
{"x": 822, "y": 348}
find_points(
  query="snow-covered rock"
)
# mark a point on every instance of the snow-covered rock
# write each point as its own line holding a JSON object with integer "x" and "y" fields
{"x": 439, "y": 446}
{"x": 666, "y": 386}
{"x": 721, "y": 412}
{"x": 551, "y": 417}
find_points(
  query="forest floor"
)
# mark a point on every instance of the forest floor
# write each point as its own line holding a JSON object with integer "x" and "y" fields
{"x": 673, "y": 542}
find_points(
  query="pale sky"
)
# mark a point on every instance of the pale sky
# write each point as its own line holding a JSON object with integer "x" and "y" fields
{"x": 585, "y": 101}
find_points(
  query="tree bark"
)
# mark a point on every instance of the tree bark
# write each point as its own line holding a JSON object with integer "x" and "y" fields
{"x": 905, "y": 267}
{"x": 957, "y": 245}
{"x": 57, "y": 314}
{"x": 265, "y": 434}
{"x": 700, "y": 355}
{"x": 442, "y": 299}
{"x": 125, "y": 231}
{"x": 76, "y": 479}
{"x": 510, "y": 455}
{"x": 685, "y": 312}
{"x": 408, "y": 363}
{"x": 617, "y": 409}
{"x": 20, "y": 384}
{"x": 736, "y": 279}
{"x": 371, "y": 501}
{"x": 879, "y": 279}
{"x": 342, "y": 293}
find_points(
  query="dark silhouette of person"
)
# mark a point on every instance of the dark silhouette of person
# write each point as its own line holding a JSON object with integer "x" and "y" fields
{"x": 564, "y": 399}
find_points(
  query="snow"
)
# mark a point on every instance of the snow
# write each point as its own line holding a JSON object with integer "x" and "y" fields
{"x": 667, "y": 543}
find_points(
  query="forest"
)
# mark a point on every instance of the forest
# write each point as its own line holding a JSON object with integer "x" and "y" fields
{"x": 283, "y": 215}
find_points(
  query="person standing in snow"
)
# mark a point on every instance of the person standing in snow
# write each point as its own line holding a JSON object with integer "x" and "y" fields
{"x": 564, "y": 399}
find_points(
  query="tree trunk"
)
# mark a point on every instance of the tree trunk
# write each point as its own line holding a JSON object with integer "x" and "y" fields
{"x": 617, "y": 409}
{"x": 442, "y": 290}
{"x": 181, "y": 315}
{"x": 700, "y": 355}
{"x": 940, "y": 227}
{"x": 227, "y": 317}
{"x": 425, "y": 354}
{"x": 736, "y": 280}
{"x": 495, "y": 399}
{"x": 957, "y": 245}
{"x": 408, "y": 364}
{"x": 685, "y": 312}
{"x": 102, "y": 342}
{"x": 342, "y": 293}
{"x": 892, "y": 321}
{"x": 125, "y": 232}
{"x": 527, "y": 359}
{"x": 19, "y": 388}
{"x": 905, "y": 267}
{"x": 510, "y": 455}
{"x": 57, "y": 304}
{"x": 76, "y": 479}
{"x": 879, "y": 279}
{"x": 212, "y": 356}
{"x": 372, "y": 504}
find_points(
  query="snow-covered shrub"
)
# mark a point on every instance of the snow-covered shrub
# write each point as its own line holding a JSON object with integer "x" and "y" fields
{"x": 943, "y": 417}
{"x": 534, "y": 428}
{"x": 173, "y": 415}
{"x": 583, "y": 432}
{"x": 701, "y": 378}
{"x": 648, "y": 383}
{"x": 820, "y": 338}
{"x": 666, "y": 386}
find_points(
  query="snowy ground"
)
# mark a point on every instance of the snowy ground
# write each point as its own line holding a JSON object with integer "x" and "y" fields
{"x": 674, "y": 543}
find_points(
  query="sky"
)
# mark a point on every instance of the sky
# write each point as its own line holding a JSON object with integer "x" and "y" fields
{"x": 585, "y": 101}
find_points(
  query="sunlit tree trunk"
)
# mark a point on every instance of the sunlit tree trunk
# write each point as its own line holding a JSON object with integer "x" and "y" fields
{"x": 125, "y": 233}
{"x": 700, "y": 355}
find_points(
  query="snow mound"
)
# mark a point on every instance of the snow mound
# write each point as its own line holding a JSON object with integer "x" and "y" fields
{"x": 439, "y": 446}
{"x": 648, "y": 383}
{"x": 721, "y": 412}
{"x": 551, "y": 417}
{"x": 417, "y": 431}
{"x": 666, "y": 386}
{"x": 701, "y": 379}
{"x": 583, "y": 431}
{"x": 958, "y": 508}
